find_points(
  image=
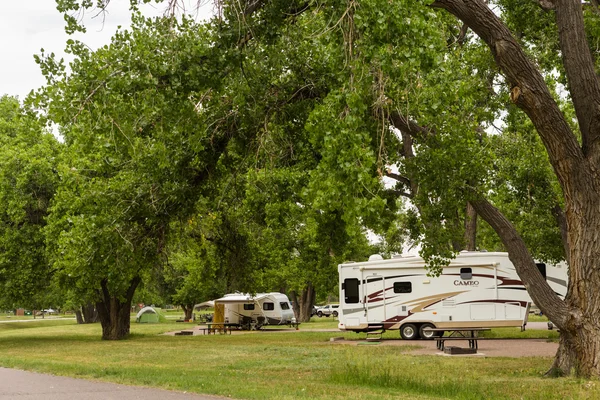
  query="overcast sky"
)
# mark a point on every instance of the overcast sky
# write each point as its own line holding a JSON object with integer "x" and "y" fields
{"x": 27, "y": 26}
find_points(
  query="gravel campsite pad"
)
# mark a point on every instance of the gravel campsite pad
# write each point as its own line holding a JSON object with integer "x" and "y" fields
{"x": 487, "y": 348}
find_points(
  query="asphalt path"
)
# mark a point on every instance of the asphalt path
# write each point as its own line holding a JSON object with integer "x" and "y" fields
{"x": 22, "y": 385}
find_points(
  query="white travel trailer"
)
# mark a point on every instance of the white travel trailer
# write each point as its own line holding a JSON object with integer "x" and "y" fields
{"x": 253, "y": 312}
{"x": 477, "y": 289}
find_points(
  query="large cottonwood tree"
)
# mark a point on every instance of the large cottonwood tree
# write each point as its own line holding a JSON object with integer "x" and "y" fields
{"x": 574, "y": 154}
{"x": 137, "y": 152}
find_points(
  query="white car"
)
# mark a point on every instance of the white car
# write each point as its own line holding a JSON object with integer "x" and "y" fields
{"x": 329, "y": 309}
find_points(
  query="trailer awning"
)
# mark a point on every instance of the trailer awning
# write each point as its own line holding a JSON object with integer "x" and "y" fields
{"x": 206, "y": 304}
{"x": 240, "y": 298}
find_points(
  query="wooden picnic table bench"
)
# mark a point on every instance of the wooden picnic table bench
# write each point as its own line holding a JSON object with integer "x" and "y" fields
{"x": 469, "y": 334}
{"x": 221, "y": 327}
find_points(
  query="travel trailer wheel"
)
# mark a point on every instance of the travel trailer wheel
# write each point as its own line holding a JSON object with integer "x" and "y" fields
{"x": 409, "y": 332}
{"x": 428, "y": 335}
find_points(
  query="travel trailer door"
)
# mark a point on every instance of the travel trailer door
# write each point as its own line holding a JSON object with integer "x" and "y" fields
{"x": 374, "y": 298}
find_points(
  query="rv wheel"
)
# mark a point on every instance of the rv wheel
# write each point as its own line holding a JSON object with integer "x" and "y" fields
{"x": 427, "y": 335}
{"x": 409, "y": 332}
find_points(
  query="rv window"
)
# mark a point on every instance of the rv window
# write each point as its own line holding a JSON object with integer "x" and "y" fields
{"x": 351, "y": 290}
{"x": 542, "y": 269}
{"x": 466, "y": 273}
{"x": 284, "y": 306}
{"x": 402, "y": 287}
{"x": 249, "y": 307}
{"x": 268, "y": 306}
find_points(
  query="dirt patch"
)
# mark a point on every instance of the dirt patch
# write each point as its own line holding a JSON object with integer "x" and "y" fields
{"x": 487, "y": 347}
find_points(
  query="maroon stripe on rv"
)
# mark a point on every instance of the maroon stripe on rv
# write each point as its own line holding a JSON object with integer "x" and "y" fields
{"x": 505, "y": 281}
{"x": 521, "y": 303}
{"x": 364, "y": 281}
{"x": 375, "y": 296}
{"x": 391, "y": 321}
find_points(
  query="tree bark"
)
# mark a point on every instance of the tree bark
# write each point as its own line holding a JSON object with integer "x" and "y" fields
{"x": 470, "y": 228}
{"x": 89, "y": 313}
{"x": 188, "y": 310}
{"x": 307, "y": 301}
{"x": 578, "y": 317}
{"x": 114, "y": 313}
{"x": 303, "y": 305}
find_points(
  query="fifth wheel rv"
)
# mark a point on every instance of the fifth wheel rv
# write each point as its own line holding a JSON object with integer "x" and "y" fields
{"x": 477, "y": 289}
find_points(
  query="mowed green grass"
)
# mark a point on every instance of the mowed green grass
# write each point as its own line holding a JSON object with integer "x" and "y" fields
{"x": 278, "y": 365}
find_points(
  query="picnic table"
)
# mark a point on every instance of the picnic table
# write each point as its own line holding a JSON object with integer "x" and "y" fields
{"x": 469, "y": 334}
{"x": 221, "y": 327}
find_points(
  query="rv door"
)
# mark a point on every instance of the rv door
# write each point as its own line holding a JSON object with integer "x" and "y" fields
{"x": 374, "y": 298}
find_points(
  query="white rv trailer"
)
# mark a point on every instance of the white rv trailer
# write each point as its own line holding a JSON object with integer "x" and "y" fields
{"x": 253, "y": 312}
{"x": 477, "y": 289}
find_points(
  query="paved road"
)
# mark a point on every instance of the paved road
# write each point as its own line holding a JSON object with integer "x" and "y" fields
{"x": 22, "y": 385}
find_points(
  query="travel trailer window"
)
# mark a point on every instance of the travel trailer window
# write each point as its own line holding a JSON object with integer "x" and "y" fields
{"x": 284, "y": 306}
{"x": 466, "y": 273}
{"x": 249, "y": 307}
{"x": 402, "y": 287}
{"x": 268, "y": 306}
{"x": 351, "y": 290}
{"x": 542, "y": 269}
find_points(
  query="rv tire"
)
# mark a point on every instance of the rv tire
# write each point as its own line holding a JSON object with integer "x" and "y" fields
{"x": 409, "y": 332}
{"x": 428, "y": 335}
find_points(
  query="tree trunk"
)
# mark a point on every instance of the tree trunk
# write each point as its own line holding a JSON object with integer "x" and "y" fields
{"x": 303, "y": 305}
{"x": 114, "y": 314}
{"x": 188, "y": 310}
{"x": 580, "y": 336}
{"x": 295, "y": 304}
{"x": 307, "y": 301}
{"x": 470, "y": 228}
{"x": 90, "y": 314}
{"x": 578, "y": 317}
{"x": 79, "y": 316}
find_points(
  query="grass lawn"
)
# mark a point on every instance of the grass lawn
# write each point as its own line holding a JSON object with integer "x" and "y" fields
{"x": 278, "y": 365}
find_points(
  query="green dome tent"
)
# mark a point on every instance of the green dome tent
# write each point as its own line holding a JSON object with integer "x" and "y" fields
{"x": 147, "y": 315}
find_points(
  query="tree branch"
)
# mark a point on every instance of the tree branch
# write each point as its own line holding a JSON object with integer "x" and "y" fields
{"x": 529, "y": 90}
{"x": 579, "y": 66}
{"x": 547, "y": 5}
{"x": 400, "y": 193}
{"x": 537, "y": 287}
{"x": 403, "y": 124}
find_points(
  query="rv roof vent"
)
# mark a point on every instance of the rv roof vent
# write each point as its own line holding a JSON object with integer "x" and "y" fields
{"x": 375, "y": 257}
{"x": 397, "y": 256}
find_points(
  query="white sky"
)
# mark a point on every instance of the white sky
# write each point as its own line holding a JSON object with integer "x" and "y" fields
{"x": 26, "y": 26}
